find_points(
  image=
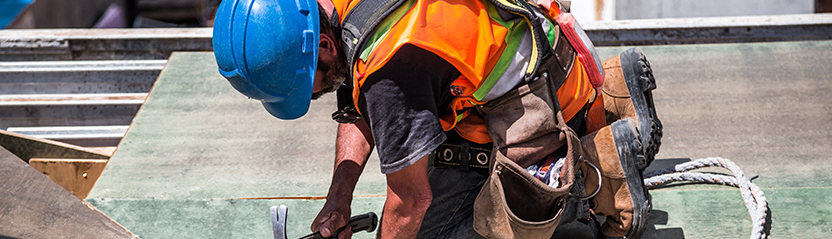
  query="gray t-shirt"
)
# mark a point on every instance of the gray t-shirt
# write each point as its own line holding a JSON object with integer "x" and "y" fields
{"x": 401, "y": 103}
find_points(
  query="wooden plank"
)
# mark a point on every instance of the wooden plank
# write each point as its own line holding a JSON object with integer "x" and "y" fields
{"x": 104, "y": 150}
{"x": 33, "y": 206}
{"x": 27, "y": 147}
{"x": 85, "y": 136}
{"x": 76, "y": 175}
{"x": 23, "y": 100}
{"x": 72, "y": 132}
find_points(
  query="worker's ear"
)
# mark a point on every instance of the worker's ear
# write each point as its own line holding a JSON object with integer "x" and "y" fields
{"x": 327, "y": 49}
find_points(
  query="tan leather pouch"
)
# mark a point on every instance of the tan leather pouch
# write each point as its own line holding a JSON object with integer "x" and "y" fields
{"x": 526, "y": 125}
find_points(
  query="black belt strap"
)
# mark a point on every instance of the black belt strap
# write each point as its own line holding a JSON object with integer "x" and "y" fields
{"x": 362, "y": 20}
{"x": 462, "y": 155}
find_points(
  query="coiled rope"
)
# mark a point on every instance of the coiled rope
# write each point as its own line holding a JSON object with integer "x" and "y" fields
{"x": 754, "y": 199}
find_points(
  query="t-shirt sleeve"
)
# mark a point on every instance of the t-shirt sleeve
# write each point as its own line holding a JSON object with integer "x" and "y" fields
{"x": 400, "y": 102}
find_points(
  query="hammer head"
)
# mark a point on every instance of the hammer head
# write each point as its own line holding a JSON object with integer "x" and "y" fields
{"x": 279, "y": 221}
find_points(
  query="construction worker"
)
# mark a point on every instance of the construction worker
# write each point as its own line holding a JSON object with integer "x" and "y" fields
{"x": 413, "y": 78}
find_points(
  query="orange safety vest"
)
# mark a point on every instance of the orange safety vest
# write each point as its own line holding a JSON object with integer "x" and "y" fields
{"x": 471, "y": 37}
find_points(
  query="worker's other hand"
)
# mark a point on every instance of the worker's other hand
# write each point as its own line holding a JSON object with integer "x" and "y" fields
{"x": 331, "y": 218}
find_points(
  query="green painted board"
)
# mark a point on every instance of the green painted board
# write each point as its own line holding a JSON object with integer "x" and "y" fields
{"x": 219, "y": 218}
{"x": 197, "y": 137}
{"x": 196, "y": 140}
{"x": 677, "y": 213}
{"x": 720, "y": 213}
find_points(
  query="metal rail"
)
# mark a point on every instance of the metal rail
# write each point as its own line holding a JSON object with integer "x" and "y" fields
{"x": 64, "y": 77}
{"x": 51, "y": 99}
{"x": 43, "y": 112}
{"x": 100, "y": 44}
{"x": 62, "y": 100}
{"x": 67, "y": 115}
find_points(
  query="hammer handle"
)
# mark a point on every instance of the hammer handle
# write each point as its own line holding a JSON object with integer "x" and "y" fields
{"x": 364, "y": 222}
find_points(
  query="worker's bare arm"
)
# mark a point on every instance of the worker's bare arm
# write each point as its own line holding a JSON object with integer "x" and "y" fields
{"x": 408, "y": 197}
{"x": 352, "y": 149}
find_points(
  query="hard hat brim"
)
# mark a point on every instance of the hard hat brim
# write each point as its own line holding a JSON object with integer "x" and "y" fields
{"x": 291, "y": 109}
{"x": 268, "y": 50}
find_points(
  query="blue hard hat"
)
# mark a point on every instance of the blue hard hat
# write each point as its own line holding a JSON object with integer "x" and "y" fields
{"x": 268, "y": 50}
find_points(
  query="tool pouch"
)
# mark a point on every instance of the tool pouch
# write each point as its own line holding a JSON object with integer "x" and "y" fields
{"x": 526, "y": 124}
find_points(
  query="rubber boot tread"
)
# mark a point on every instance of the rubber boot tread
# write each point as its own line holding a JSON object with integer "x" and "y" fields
{"x": 628, "y": 145}
{"x": 640, "y": 83}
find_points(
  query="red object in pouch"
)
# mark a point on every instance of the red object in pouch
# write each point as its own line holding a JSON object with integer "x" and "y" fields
{"x": 583, "y": 46}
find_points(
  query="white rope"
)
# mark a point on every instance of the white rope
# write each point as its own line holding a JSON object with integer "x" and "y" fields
{"x": 754, "y": 199}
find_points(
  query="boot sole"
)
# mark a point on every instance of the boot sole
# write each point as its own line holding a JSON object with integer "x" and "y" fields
{"x": 630, "y": 154}
{"x": 640, "y": 83}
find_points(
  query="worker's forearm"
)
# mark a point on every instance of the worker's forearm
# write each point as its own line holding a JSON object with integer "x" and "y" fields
{"x": 352, "y": 149}
{"x": 408, "y": 198}
{"x": 402, "y": 219}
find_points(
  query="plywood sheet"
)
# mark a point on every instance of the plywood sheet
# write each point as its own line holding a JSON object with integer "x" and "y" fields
{"x": 763, "y": 105}
{"x": 197, "y": 137}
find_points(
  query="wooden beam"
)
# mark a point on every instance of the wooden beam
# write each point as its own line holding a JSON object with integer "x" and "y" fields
{"x": 27, "y": 147}
{"x": 76, "y": 175}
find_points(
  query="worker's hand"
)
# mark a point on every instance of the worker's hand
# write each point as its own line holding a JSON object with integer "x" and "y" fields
{"x": 332, "y": 217}
{"x": 352, "y": 148}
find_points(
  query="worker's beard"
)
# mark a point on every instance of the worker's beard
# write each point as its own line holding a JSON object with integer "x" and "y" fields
{"x": 335, "y": 74}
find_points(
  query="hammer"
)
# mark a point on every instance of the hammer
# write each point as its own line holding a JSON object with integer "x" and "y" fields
{"x": 364, "y": 222}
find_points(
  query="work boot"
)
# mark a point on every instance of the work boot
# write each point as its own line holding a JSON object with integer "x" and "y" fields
{"x": 622, "y": 197}
{"x": 627, "y": 89}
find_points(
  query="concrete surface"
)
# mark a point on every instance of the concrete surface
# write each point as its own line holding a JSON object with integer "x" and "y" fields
{"x": 202, "y": 161}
